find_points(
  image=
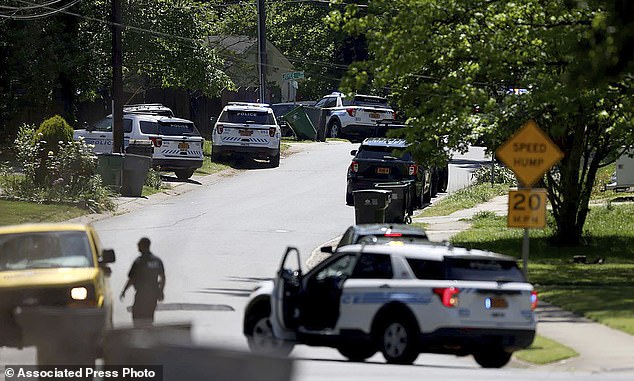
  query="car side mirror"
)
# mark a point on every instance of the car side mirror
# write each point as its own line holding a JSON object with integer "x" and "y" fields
{"x": 326, "y": 249}
{"x": 107, "y": 256}
{"x": 353, "y": 152}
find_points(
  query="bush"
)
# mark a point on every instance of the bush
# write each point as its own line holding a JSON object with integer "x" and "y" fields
{"x": 153, "y": 179}
{"x": 501, "y": 175}
{"x": 53, "y": 131}
{"x": 66, "y": 175}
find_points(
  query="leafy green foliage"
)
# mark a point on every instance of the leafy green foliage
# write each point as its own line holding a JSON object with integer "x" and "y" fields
{"x": 464, "y": 199}
{"x": 501, "y": 175}
{"x": 66, "y": 175}
{"x": 445, "y": 59}
{"x": 54, "y": 131}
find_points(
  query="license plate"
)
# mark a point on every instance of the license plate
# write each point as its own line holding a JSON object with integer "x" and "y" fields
{"x": 183, "y": 146}
{"x": 375, "y": 115}
{"x": 246, "y": 132}
{"x": 495, "y": 302}
{"x": 383, "y": 171}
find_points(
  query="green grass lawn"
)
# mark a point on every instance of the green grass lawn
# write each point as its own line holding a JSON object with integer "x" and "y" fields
{"x": 18, "y": 212}
{"x": 464, "y": 199}
{"x": 545, "y": 351}
{"x": 602, "y": 292}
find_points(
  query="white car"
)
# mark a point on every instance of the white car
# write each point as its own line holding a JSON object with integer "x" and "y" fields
{"x": 247, "y": 130}
{"x": 356, "y": 118}
{"x": 177, "y": 144}
{"x": 398, "y": 299}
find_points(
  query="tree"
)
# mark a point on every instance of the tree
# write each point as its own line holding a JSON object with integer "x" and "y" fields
{"x": 443, "y": 59}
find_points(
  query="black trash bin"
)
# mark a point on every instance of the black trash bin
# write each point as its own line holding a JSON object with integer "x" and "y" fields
{"x": 140, "y": 147}
{"x": 135, "y": 168}
{"x": 400, "y": 208}
{"x": 110, "y": 168}
{"x": 370, "y": 205}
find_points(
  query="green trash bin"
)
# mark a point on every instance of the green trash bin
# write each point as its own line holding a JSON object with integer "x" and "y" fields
{"x": 110, "y": 168}
{"x": 400, "y": 208}
{"x": 135, "y": 168}
{"x": 370, "y": 205}
{"x": 299, "y": 121}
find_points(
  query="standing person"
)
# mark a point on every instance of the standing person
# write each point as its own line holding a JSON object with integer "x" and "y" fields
{"x": 148, "y": 277}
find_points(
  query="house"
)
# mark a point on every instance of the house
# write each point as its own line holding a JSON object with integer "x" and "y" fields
{"x": 241, "y": 58}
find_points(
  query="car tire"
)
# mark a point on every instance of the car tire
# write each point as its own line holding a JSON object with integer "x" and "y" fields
{"x": 334, "y": 129}
{"x": 215, "y": 156}
{"x": 184, "y": 174}
{"x": 397, "y": 339}
{"x": 349, "y": 199}
{"x": 444, "y": 179}
{"x": 426, "y": 196}
{"x": 492, "y": 357}
{"x": 275, "y": 160}
{"x": 434, "y": 184}
{"x": 260, "y": 336}
{"x": 357, "y": 352}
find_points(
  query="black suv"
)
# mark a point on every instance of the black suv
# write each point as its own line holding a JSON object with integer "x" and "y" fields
{"x": 381, "y": 160}
{"x": 380, "y": 234}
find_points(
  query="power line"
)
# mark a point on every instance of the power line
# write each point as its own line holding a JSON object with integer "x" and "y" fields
{"x": 14, "y": 16}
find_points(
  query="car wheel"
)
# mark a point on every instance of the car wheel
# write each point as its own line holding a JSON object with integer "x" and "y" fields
{"x": 184, "y": 174}
{"x": 492, "y": 357}
{"x": 349, "y": 199}
{"x": 275, "y": 161}
{"x": 444, "y": 179}
{"x": 357, "y": 352}
{"x": 261, "y": 338}
{"x": 215, "y": 156}
{"x": 397, "y": 341}
{"x": 434, "y": 185}
{"x": 334, "y": 129}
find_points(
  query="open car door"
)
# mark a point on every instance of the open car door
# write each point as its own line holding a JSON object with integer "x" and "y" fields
{"x": 287, "y": 286}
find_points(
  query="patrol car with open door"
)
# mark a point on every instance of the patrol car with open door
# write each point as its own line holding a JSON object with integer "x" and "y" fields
{"x": 398, "y": 299}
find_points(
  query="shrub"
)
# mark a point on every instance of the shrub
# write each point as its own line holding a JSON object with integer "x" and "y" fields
{"x": 53, "y": 131}
{"x": 153, "y": 179}
{"x": 66, "y": 175}
{"x": 501, "y": 175}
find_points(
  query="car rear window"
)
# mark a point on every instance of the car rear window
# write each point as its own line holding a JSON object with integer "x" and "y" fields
{"x": 366, "y": 101}
{"x": 169, "y": 128}
{"x": 483, "y": 269}
{"x": 246, "y": 117}
{"x": 378, "y": 152}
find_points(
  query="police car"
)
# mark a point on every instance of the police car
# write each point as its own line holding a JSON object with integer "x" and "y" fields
{"x": 247, "y": 130}
{"x": 398, "y": 299}
{"x": 177, "y": 144}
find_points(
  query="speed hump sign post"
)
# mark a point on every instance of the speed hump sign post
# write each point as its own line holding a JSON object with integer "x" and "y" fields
{"x": 527, "y": 208}
{"x": 529, "y": 153}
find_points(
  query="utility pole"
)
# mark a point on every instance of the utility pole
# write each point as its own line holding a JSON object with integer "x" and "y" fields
{"x": 117, "y": 80}
{"x": 262, "y": 49}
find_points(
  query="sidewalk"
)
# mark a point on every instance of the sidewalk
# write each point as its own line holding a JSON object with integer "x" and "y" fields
{"x": 600, "y": 348}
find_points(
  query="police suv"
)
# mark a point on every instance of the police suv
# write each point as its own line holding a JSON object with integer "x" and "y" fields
{"x": 247, "y": 130}
{"x": 398, "y": 299}
{"x": 177, "y": 144}
{"x": 356, "y": 118}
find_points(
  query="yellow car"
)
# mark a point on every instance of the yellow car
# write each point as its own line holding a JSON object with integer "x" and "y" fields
{"x": 53, "y": 278}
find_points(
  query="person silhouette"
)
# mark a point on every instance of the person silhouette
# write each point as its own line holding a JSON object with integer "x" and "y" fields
{"x": 147, "y": 275}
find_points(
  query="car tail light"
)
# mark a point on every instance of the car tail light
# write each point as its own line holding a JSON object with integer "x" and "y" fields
{"x": 533, "y": 300}
{"x": 354, "y": 167}
{"x": 448, "y": 296}
{"x": 219, "y": 129}
{"x": 351, "y": 111}
{"x": 413, "y": 169}
{"x": 393, "y": 235}
{"x": 271, "y": 131}
{"x": 156, "y": 141}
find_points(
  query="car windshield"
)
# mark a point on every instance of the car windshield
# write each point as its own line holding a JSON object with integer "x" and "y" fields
{"x": 53, "y": 249}
{"x": 169, "y": 128}
{"x": 379, "y": 152}
{"x": 483, "y": 270}
{"x": 246, "y": 117}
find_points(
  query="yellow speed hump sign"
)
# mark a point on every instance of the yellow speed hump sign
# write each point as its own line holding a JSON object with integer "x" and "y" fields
{"x": 527, "y": 208}
{"x": 529, "y": 153}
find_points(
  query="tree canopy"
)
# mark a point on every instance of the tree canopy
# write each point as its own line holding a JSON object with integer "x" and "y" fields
{"x": 452, "y": 66}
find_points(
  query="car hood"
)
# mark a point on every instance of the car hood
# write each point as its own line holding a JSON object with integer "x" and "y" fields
{"x": 29, "y": 278}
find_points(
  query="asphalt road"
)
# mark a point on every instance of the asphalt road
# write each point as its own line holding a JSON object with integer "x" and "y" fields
{"x": 218, "y": 241}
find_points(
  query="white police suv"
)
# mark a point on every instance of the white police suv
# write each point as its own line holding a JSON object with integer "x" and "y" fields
{"x": 177, "y": 144}
{"x": 247, "y": 130}
{"x": 398, "y": 299}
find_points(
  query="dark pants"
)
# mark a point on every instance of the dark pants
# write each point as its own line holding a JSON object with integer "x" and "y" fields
{"x": 143, "y": 309}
